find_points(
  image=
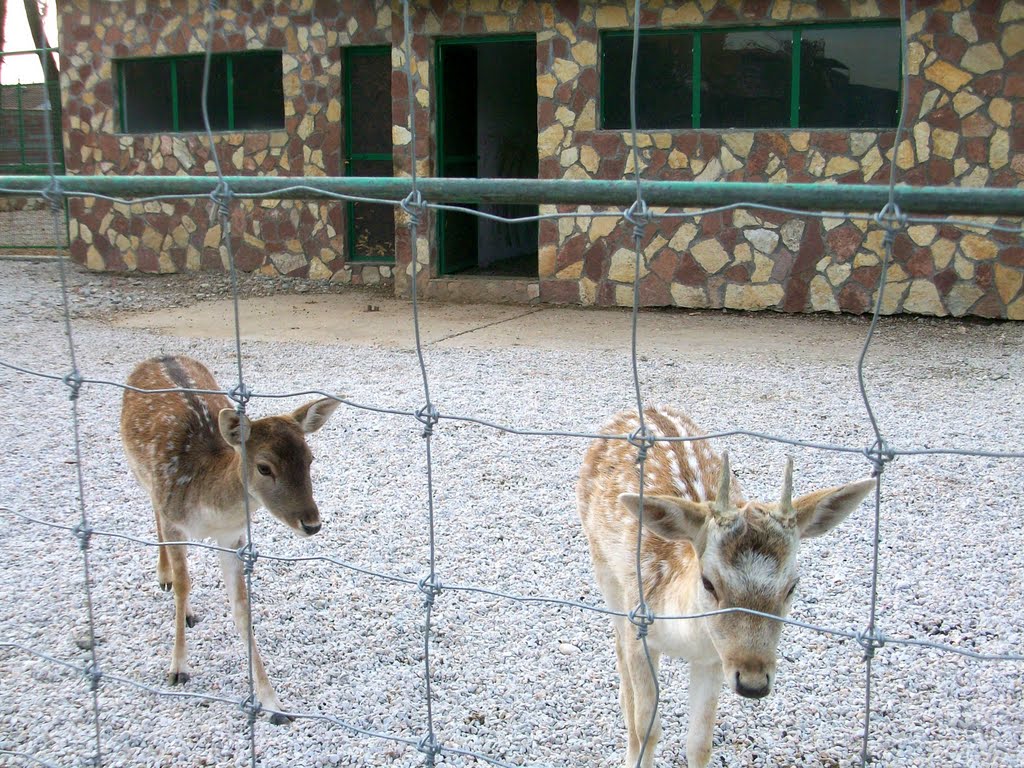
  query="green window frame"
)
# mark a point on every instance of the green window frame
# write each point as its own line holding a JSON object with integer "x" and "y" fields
{"x": 163, "y": 94}
{"x": 368, "y": 149}
{"x": 687, "y": 52}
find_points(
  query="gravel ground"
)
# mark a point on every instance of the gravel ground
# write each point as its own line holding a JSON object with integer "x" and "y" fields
{"x": 522, "y": 683}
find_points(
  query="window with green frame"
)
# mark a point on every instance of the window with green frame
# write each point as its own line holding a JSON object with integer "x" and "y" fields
{"x": 246, "y": 92}
{"x": 809, "y": 76}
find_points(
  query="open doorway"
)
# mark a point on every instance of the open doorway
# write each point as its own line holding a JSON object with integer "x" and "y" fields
{"x": 487, "y": 128}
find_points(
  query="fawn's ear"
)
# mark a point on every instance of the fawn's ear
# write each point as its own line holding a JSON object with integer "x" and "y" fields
{"x": 821, "y": 511}
{"x": 670, "y": 517}
{"x": 314, "y": 415}
{"x": 234, "y": 426}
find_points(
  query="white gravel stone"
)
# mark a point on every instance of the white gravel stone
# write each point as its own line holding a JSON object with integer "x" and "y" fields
{"x": 524, "y": 683}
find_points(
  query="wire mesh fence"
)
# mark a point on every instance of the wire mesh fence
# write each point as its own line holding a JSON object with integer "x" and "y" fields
{"x": 430, "y": 585}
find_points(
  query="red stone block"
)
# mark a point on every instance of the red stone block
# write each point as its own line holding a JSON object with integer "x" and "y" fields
{"x": 654, "y": 292}
{"x": 689, "y": 272}
{"x": 664, "y": 264}
{"x": 595, "y": 260}
{"x": 867, "y": 276}
{"x": 944, "y": 281}
{"x": 756, "y": 10}
{"x": 1012, "y": 257}
{"x": 853, "y": 298}
{"x": 844, "y": 241}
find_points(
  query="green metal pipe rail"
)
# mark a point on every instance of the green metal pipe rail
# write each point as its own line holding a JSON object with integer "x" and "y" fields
{"x": 872, "y": 198}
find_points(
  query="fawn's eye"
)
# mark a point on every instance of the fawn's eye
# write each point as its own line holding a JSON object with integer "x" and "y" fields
{"x": 264, "y": 469}
{"x": 709, "y": 586}
{"x": 792, "y": 589}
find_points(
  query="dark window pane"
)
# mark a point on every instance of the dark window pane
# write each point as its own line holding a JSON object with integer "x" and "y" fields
{"x": 849, "y": 78}
{"x": 664, "y": 81}
{"x": 745, "y": 79}
{"x": 147, "y": 96}
{"x": 373, "y": 224}
{"x": 190, "y": 93}
{"x": 369, "y": 106}
{"x": 258, "y": 87}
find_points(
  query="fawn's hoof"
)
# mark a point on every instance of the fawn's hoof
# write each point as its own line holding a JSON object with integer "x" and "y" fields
{"x": 166, "y": 586}
{"x": 178, "y": 678}
{"x": 191, "y": 620}
{"x": 280, "y": 719}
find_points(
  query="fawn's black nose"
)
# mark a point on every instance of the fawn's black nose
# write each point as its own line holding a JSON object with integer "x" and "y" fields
{"x": 752, "y": 693}
{"x": 311, "y": 529}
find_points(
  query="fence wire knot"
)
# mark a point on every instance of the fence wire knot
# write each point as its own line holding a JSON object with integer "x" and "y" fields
{"x": 879, "y": 455}
{"x": 54, "y": 194}
{"x": 248, "y": 555}
{"x": 221, "y": 197}
{"x": 892, "y": 220}
{"x": 73, "y": 381}
{"x": 251, "y": 706}
{"x": 92, "y": 672}
{"x": 870, "y": 640}
{"x": 641, "y": 618}
{"x": 428, "y": 746}
{"x": 83, "y": 533}
{"x": 240, "y": 394}
{"x": 428, "y": 416}
{"x": 638, "y": 214}
{"x": 643, "y": 441}
{"x": 431, "y": 588}
{"x": 414, "y": 208}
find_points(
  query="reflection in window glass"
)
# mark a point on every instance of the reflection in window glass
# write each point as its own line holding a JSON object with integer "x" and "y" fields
{"x": 745, "y": 79}
{"x": 370, "y": 79}
{"x": 849, "y": 78}
{"x": 147, "y": 95}
{"x": 664, "y": 81}
{"x": 258, "y": 91}
{"x": 245, "y": 91}
{"x": 190, "y": 93}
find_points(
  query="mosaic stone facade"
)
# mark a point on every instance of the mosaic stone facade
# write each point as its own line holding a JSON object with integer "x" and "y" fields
{"x": 294, "y": 238}
{"x": 965, "y": 118}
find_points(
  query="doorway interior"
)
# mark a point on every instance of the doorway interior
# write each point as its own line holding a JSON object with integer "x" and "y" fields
{"x": 487, "y": 128}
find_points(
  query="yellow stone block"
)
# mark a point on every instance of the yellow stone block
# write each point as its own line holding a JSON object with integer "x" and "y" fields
{"x": 602, "y": 226}
{"x": 624, "y": 265}
{"x": 587, "y": 120}
{"x": 687, "y": 13}
{"x": 1008, "y": 282}
{"x": 978, "y": 248}
{"x": 840, "y": 165}
{"x": 692, "y": 297}
{"x": 822, "y": 295}
{"x": 999, "y": 149}
{"x": 710, "y": 255}
{"x": 546, "y": 84}
{"x": 753, "y": 297}
{"x": 588, "y": 292}
{"x": 942, "y": 252}
{"x": 546, "y": 260}
{"x": 923, "y": 299}
{"x": 1001, "y": 112}
{"x": 1015, "y": 311}
{"x": 982, "y": 59}
{"x": 923, "y": 234}
{"x": 571, "y": 272}
{"x": 944, "y": 143}
{"x": 1012, "y": 41}
{"x": 677, "y": 159}
{"x": 611, "y": 17}
{"x": 589, "y": 158}
{"x": 948, "y": 76}
{"x": 549, "y": 140}
{"x": 565, "y": 70}
{"x": 585, "y": 54}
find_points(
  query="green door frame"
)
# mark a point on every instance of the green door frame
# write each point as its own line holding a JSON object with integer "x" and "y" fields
{"x": 443, "y": 159}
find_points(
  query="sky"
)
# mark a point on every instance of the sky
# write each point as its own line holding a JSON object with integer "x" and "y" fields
{"x": 24, "y": 69}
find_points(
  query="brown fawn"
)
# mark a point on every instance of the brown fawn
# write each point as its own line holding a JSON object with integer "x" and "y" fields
{"x": 185, "y": 449}
{"x": 704, "y": 548}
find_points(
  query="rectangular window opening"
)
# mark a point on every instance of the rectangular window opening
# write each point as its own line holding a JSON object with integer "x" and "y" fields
{"x": 809, "y": 76}
{"x": 245, "y": 91}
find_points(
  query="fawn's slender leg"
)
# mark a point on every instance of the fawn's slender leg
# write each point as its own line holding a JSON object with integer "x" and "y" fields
{"x": 642, "y": 685}
{"x": 179, "y": 671}
{"x": 234, "y": 582}
{"x": 705, "y": 684}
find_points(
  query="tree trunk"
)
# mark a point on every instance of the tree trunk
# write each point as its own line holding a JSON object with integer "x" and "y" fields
{"x": 46, "y": 58}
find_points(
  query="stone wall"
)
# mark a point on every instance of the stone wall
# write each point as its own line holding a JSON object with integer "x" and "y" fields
{"x": 966, "y": 104}
{"x": 964, "y": 127}
{"x": 295, "y": 238}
